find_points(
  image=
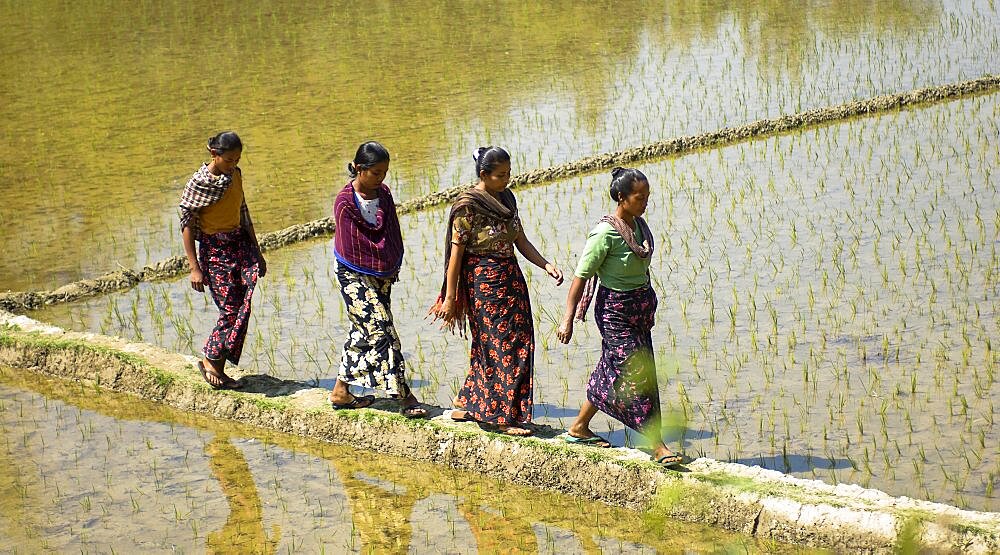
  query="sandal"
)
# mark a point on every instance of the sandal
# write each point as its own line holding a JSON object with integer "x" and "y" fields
{"x": 226, "y": 381}
{"x": 592, "y": 441}
{"x": 670, "y": 461}
{"x": 356, "y": 403}
{"x": 463, "y": 418}
{"x": 515, "y": 431}
{"x": 413, "y": 410}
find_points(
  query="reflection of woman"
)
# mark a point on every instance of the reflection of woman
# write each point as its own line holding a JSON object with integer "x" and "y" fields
{"x": 244, "y": 529}
{"x": 381, "y": 518}
{"x": 484, "y": 283}
{"x": 514, "y": 533}
{"x": 618, "y": 252}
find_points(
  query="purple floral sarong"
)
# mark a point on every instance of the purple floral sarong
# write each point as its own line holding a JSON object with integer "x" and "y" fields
{"x": 623, "y": 385}
{"x": 231, "y": 269}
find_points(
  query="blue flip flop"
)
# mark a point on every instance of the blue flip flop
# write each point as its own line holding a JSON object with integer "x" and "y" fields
{"x": 670, "y": 461}
{"x": 595, "y": 441}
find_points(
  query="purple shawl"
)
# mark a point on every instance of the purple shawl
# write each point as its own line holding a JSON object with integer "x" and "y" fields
{"x": 375, "y": 250}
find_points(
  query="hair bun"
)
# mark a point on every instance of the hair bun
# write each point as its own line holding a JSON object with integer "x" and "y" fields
{"x": 622, "y": 181}
{"x": 477, "y": 153}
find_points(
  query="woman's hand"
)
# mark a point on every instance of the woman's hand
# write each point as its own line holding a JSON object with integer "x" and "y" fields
{"x": 445, "y": 313}
{"x": 554, "y": 272}
{"x": 565, "y": 331}
{"x": 197, "y": 279}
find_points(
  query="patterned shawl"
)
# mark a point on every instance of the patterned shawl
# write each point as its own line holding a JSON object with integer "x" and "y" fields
{"x": 205, "y": 189}
{"x": 369, "y": 249}
{"x": 642, "y": 251}
{"x": 503, "y": 208}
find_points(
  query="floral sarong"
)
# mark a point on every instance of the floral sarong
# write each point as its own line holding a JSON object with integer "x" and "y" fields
{"x": 231, "y": 268}
{"x": 623, "y": 385}
{"x": 373, "y": 356}
{"x": 498, "y": 387}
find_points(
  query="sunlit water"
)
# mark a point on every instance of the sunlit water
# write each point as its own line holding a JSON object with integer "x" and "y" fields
{"x": 828, "y": 303}
{"x": 106, "y": 107}
{"x": 87, "y": 471}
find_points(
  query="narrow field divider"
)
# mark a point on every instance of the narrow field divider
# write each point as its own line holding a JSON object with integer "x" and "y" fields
{"x": 750, "y": 500}
{"x": 124, "y": 278}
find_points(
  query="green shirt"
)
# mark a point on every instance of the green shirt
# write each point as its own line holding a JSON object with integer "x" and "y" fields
{"x": 608, "y": 256}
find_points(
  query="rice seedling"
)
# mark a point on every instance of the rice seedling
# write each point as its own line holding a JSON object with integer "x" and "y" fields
{"x": 809, "y": 275}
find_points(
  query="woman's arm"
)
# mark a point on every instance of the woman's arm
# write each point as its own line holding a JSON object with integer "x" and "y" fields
{"x": 246, "y": 222}
{"x": 447, "y": 310}
{"x": 532, "y": 255}
{"x": 197, "y": 277}
{"x": 591, "y": 260}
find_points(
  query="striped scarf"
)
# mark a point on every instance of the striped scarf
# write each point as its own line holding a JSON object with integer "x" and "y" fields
{"x": 642, "y": 251}
{"x": 375, "y": 250}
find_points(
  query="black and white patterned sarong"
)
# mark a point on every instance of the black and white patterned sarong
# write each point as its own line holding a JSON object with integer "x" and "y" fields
{"x": 372, "y": 355}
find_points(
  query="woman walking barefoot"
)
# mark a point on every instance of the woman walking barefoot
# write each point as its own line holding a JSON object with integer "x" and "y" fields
{"x": 214, "y": 213}
{"x": 623, "y": 385}
{"x": 368, "y": 246}
{"x": 483, "y": 283}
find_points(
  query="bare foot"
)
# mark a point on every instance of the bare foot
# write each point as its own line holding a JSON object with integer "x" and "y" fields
{"x": 341, "y": 399}
{"x": 410, "y": 407}
{"x": 515, "y": 431}
{"x": 341, "y": 394}
{"x": 215, "y": 376}
{"x": 582, "y": 432}
{"x": 666, "y": 457}
{"x": 460, "y": 416}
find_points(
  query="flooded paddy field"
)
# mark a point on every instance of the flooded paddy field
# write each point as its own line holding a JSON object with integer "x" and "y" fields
{"x": 86, "y": 470}
{"x": 106, "y": 109}
{"x": 828, "y": 303}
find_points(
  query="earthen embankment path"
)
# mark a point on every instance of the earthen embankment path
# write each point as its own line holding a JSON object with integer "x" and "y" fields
{"x": 751, "y": 500}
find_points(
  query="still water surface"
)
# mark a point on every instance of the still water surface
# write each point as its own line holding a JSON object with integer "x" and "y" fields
{"x": 84, "y": 470}
{"x": 828, "y": 303}
{"x": 107, "y": 105}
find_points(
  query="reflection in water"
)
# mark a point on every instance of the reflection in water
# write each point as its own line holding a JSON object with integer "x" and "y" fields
{"x": 97, "y": 141}
{"x": 382, "y": 518}
{"x": 391, "y": 505}
{"x": 20, "y": 494}
{"x": 244, "y": 529}
{"x": 783, "y": 39}
{"x": 813, "y": 296}
{"x": 495, "y": 532}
